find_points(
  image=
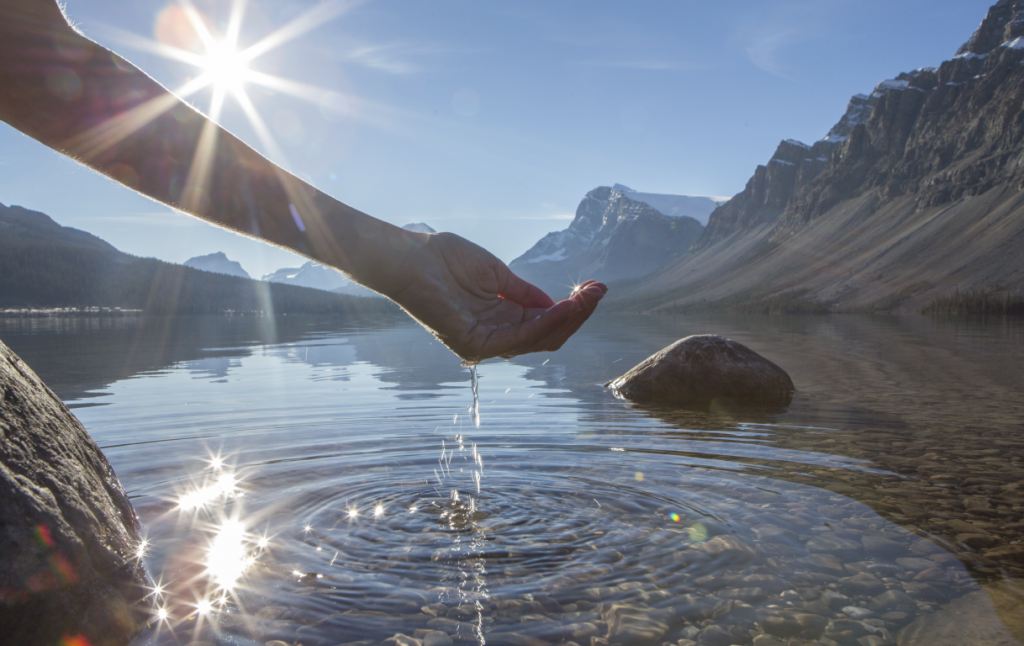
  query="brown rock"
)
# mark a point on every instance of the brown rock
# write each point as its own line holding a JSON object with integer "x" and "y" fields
{"x": 1012, "y": 553}
{"x": 700, "y": 369}
{"x": 976, "y": 541}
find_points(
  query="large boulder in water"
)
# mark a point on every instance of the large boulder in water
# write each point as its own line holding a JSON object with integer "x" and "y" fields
{"x": 700, "y": 370}
{"x": 69, "y": 538}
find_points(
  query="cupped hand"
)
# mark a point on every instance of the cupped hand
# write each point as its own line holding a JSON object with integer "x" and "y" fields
{"x": 477, "y": 307}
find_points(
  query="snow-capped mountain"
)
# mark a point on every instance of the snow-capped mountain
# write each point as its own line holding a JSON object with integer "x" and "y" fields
{"x": 613, "y": 236}
{"x": 698, "y": 207}
{"x": 311, "y": 274}
{"x": 217, "y": 263}
{"x": 418, "y": 227}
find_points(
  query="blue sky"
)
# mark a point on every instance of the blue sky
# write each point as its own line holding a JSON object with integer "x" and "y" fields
{"x": 492, "y": 120}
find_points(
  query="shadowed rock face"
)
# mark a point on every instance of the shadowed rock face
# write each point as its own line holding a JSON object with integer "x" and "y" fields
{"x": 699, "y": 370}
{"x": 68, "y": 535}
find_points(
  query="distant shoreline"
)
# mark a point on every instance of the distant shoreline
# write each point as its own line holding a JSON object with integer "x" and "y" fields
{"x": 48, "y": 312}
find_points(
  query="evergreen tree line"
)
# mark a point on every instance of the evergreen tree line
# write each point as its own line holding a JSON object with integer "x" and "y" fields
{"x": 44, "y": 274}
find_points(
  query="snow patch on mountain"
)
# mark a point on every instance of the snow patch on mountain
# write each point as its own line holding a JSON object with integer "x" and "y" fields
{"x": 698, "y": 207}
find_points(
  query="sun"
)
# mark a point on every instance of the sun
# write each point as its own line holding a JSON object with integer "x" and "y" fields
{"x": 225, "y": 67}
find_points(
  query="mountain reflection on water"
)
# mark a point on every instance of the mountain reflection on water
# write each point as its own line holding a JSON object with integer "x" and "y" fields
{"x": 322, "y": 482}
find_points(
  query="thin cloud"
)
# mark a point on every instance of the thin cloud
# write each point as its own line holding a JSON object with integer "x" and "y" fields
{"x": 383, "y": 58}
{"x": 771, "y": 36}
{"x": 765, "y": 51}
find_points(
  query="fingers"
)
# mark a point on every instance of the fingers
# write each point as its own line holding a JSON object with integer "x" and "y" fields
{"x": 523, "y": 293}
{"x": 553, "y": 327}
{"x": 588, "y": 295}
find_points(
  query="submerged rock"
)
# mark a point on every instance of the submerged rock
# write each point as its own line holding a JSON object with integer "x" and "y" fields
{"x": 988, "y": 616}
{"x": 701, "y": 369}
{"x": 68, "y": 535}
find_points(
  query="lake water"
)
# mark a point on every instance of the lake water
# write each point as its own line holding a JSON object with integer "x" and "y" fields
{"x": 323, "y": 482}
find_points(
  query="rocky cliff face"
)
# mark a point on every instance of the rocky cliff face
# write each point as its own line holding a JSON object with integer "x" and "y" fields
{"x": 914, "y": 192}
{"x": 611, "y": 237}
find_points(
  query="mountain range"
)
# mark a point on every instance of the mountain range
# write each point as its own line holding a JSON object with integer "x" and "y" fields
{"x": 43, "y": 264}
{"x": 917, "y": 192}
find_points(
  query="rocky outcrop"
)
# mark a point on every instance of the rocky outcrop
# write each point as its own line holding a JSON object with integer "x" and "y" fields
{"x": 700, "y": 370}
{"x": 767, "y": 193}
{"x": 915, "y": 192}
{"x": 612, "y": 237}
{"x": 68, "y": 534}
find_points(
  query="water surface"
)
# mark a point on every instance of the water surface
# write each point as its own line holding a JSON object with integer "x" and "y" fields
{"x": 320, "y": 481}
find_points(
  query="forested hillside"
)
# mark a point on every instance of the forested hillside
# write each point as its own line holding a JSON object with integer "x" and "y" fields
{"x": 43, "y": 264}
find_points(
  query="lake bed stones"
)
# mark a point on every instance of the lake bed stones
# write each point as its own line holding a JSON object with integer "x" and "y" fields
{"x": 703, "y": 369}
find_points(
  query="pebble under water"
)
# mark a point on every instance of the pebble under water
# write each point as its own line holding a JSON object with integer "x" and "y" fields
{"x": 310, "y": 481}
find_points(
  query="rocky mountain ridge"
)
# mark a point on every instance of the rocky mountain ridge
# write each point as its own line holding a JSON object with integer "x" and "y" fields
{"x": 217, "y": 263}
{"x": 915, "y": 193}
{"x": 612, "y": 237}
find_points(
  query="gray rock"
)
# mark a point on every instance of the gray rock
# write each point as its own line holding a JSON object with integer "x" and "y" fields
{"x": 729, "y": 548}
{"x": 835, "y": 600}
{"x": 856, "y": 612}
{"x": 863, "y": 584}
{"x": 915, "y": 564}
{"x": 989, "y": 616}
{"x": 891, "y": 600}
{"x": 68, "y": 534}
{"x": 700, "y": 369}
{"x": 883, "y": 547}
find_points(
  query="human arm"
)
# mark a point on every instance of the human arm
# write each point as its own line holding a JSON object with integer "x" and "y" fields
{"x": 86, "y": 102}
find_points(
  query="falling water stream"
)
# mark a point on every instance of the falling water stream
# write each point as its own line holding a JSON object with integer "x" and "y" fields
{"x": 318, "y": 483}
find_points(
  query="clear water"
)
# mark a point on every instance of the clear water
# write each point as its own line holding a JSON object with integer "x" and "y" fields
{"x": 317, "y": 481}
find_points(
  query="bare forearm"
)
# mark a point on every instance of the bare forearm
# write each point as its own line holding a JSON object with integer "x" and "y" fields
{"x": 81, "y": 99}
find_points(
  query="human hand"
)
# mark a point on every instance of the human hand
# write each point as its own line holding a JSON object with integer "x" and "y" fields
{"x": 477, "y": 307}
